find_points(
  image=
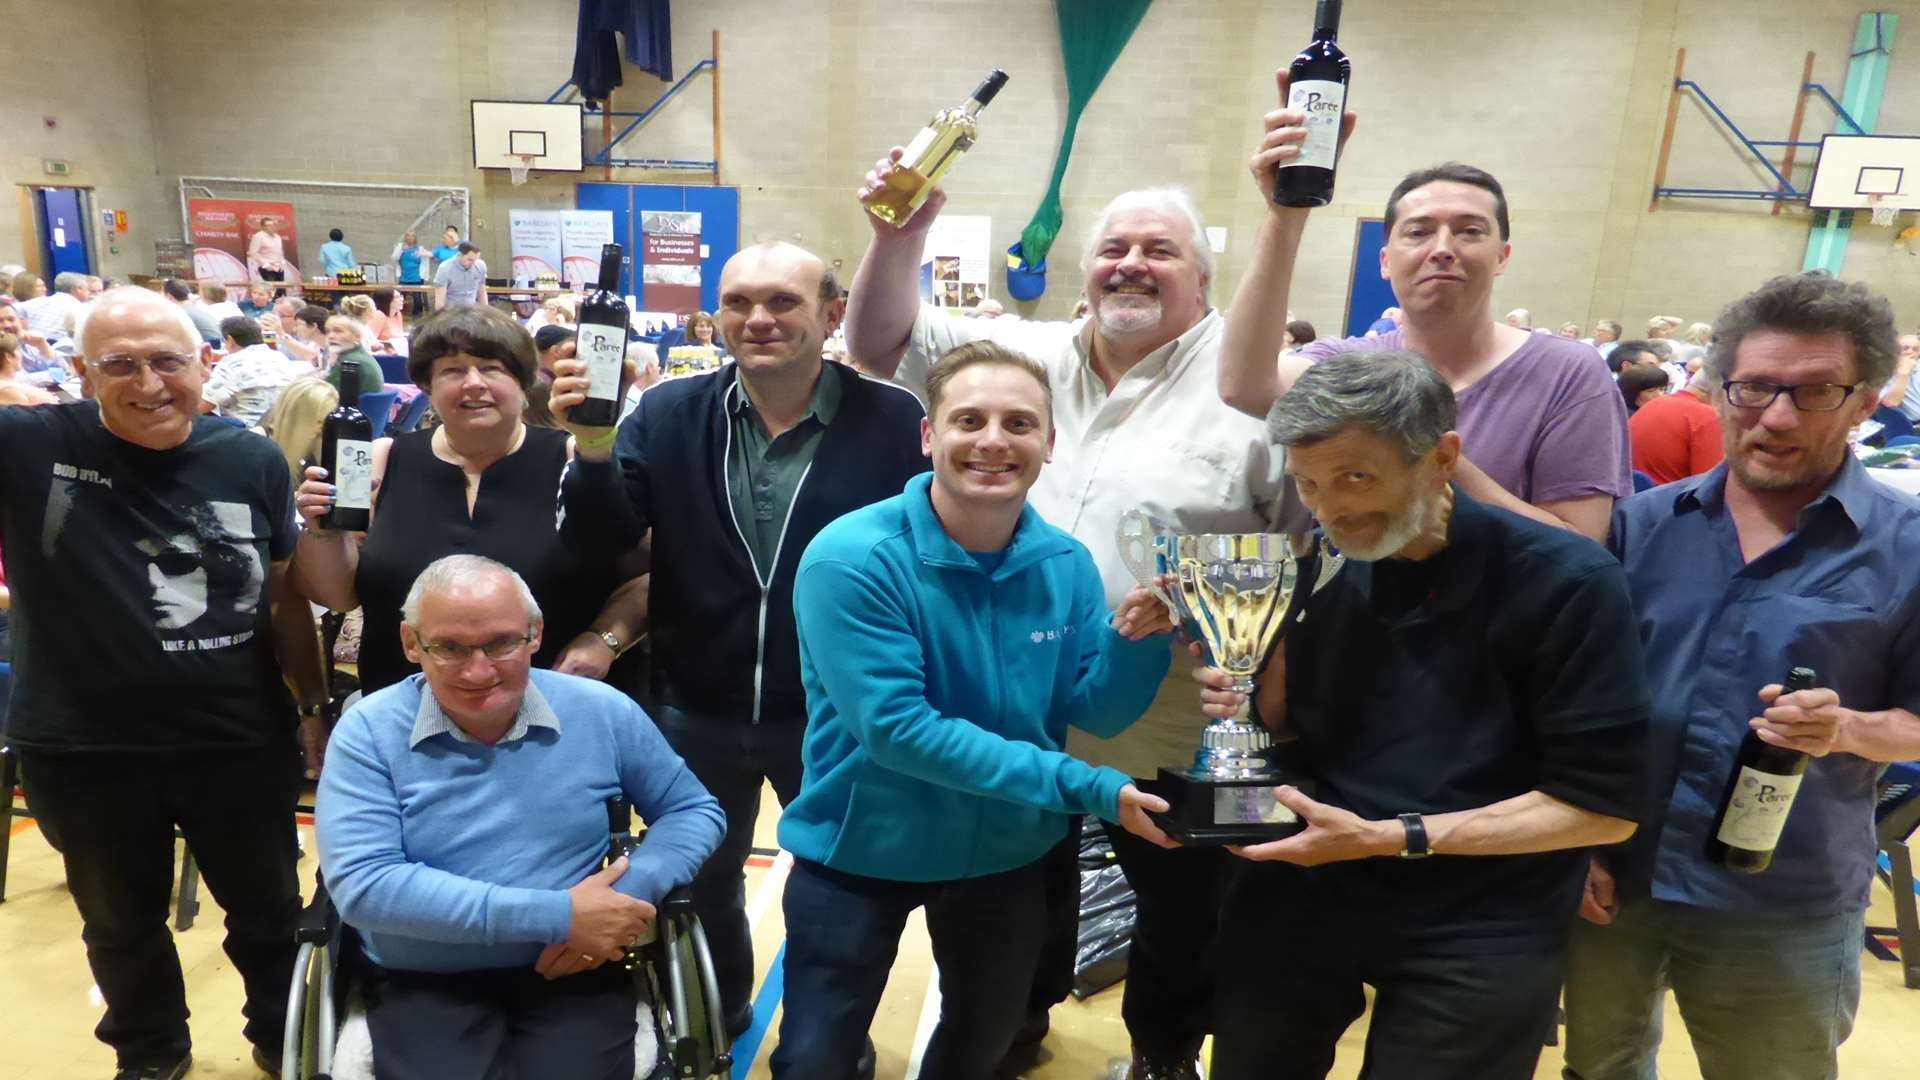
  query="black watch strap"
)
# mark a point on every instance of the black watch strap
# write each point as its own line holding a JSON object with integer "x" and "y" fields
{"x": 1416, "y": 845}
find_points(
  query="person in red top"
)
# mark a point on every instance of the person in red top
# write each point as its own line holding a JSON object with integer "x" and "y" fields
{"x": 1677, "y": 435}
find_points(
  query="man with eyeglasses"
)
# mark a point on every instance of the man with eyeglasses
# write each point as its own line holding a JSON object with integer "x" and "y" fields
{"x": 1786, "y": 555}
{"x": 155, "y": 638}
{"x": 462, "y": 823}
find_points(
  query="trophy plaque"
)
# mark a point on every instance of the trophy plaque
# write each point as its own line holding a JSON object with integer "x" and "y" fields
{"x": 1236, "y": 593}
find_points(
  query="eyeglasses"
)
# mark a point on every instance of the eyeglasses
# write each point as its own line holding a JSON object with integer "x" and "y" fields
{"x": 121, "y": 366}
{"x": 454, "y": 653}
{"x": 1807, "y": 397}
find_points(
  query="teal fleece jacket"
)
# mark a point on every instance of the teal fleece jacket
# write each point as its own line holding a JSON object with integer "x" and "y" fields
{"x": 939, "y": 694}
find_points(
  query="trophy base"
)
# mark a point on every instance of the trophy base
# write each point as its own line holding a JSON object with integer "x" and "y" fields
{"x": 1209, "y": 811}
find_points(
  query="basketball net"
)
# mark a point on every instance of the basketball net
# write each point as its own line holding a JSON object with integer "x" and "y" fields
{"x": 1883, "y": 213}
{"x": 524, "y": 166}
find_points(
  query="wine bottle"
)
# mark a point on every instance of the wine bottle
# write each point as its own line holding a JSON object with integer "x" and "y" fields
{"x": 346, "y": 452}
{"x": 1759, "y": 793}
{"x": 1317, "y": 85}
{"x": 602, "y": 345}
{"x": 948, "y": 135}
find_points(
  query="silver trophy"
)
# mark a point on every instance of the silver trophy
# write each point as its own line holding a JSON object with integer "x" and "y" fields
{"x": 1236, "y": 592}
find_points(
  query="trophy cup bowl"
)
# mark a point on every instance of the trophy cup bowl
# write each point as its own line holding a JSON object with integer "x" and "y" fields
{"x": 1237, "y": 593}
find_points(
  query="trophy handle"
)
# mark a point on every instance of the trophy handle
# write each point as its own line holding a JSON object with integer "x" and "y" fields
{"x": 1144, "y": 552}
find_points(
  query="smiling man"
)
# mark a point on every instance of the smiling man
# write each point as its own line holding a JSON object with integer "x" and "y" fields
{"x": 1794, "y": 557}
{"x": 735, "y": 471}
{"x": 1544, "y": 429}
{"x": 948, "y": 639}
{"x": 1138, "y": 424}
{"x": 1441, "y": 863}
{"x": 155, "y": 637}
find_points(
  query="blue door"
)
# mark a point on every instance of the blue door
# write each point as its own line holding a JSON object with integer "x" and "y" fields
{"x": 1368, "y": 294}
{"x": 63, "y": 235}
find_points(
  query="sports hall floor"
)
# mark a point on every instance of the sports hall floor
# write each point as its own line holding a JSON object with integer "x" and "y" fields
{"x": 47, "y": 1012}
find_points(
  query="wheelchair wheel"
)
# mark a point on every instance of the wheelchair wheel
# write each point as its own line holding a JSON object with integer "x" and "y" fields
{"x": 691, "y": 1045}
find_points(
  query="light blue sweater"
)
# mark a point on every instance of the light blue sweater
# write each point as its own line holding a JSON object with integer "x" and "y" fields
{"x": 451, "y": 855}
{"x": 939, "y": 694}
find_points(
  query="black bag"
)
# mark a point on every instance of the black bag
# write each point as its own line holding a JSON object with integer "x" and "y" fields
{"x": 1106, "y": 915}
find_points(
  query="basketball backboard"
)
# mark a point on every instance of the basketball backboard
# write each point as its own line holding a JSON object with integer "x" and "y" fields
{"x": 1853, "y": 169}
{"x": 504, "y": 131}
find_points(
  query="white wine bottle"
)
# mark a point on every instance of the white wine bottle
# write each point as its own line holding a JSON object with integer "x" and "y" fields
{"x": 931, "y": 153}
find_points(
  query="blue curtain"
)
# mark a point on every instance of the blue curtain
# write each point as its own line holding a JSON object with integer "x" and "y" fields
{"x": 646, "y": 28}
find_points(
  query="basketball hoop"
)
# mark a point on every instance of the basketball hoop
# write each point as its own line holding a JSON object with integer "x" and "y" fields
{"x": 524, "y": 164}
{"x": 1884, "y": 213}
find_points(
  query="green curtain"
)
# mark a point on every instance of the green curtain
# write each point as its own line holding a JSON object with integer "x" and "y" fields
{"x": 1092, "y": 35}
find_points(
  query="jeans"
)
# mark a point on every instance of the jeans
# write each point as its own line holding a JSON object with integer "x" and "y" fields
{"x": 503, "y": 1024}
{"x": 733, "y": 758}
{"x": 1289, "y": 983}
{"x": 116, "y": 816}
{"x": 1763, "y": 997}
{"x": 842, "y": 933}
{"x": 1169, "y": 987}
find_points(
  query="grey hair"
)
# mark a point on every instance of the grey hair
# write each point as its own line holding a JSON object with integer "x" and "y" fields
{"x": 1814, "y": 302}
{"x": 456, "y": 573}
{"x": 123, "y": 295}
{"x": 1172, "y": 200}
{"x": 1392, "y": 393}
{"x": 68, "y": 280}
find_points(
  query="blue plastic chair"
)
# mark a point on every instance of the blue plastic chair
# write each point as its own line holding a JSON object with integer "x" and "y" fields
{"x": 411, "y": 414}
{"x": 1903, "y": 440}
{"x": 393, "y": 368}
{"x": 1641, "y": 481}
{"x": 1893, "y": 425}
{"x": 378, "y": 406}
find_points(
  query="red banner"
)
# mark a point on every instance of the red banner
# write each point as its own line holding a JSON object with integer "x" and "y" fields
{"x": 220, "y": 229}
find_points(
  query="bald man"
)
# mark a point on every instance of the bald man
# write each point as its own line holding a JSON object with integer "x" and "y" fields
{"x": 147, "y": 547}
{"x": 735, "y": 470}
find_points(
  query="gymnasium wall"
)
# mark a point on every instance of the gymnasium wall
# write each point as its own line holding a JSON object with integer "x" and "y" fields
{"x": 1562, "y": 99}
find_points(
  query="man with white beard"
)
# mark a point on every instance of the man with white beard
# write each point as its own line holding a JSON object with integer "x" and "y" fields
{"x": 1468, "y": 686}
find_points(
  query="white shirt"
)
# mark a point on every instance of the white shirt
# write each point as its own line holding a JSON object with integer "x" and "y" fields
{"x": 226, "y": 309}
{"x": 245, "y": 384}
{"x": 48, "y": 314}
{"x": 1163, "y": 442}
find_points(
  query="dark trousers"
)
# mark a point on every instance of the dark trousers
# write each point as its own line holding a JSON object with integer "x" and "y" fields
{"x": 842, "y": 933}
{"x": 1168, "y": 997}
{"x": 1290, "y": 978}
{"x": 503, "y": 1024}
{"x": 116, "y": 817}
{"x": 1060, "y": 943}
{"x": 733, "y": 759}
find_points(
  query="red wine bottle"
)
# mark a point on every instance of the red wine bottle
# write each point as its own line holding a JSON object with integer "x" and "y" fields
{"x": 1759, "y": 793}
{"x": 1317, "y": 85}
{"x": 346, "y": 452}
{"x": 602, "y": 345}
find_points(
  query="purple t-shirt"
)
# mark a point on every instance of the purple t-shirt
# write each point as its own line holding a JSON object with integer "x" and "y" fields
{"x": 1547, "y": 424}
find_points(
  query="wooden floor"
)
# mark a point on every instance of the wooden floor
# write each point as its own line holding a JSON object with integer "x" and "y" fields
{"x": 48, "y": 1006}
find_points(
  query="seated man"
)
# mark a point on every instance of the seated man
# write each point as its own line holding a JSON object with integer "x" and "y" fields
{"x": 948, "y": 637}
{"x": 1467, "y": 687}
{"x": 248, "y": 379}
{"x": 462, "y": 820}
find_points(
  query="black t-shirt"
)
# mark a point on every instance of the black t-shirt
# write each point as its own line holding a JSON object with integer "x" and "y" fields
{"x": 141, "y": 620}
{"x": 1505, "y": 664}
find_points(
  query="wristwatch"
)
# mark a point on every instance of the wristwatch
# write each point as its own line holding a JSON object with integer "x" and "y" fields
{"x": 612, "y": 642}
{"x": 1416, "y": 845}
{"x": 314, "y": 710}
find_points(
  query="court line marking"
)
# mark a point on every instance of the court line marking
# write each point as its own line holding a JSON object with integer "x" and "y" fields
{"x": 929, "y": 1019}
{"x": 764, "y": 1004}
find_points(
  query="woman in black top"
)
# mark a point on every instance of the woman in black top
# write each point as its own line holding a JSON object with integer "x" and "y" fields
{"x": 483, "y": 482}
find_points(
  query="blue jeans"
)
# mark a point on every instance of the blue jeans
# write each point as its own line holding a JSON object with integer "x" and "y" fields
{"x": 842, "y": 933}
{"x": 1763, "y": 997}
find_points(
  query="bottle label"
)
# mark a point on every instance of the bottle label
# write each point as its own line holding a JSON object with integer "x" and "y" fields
{"x": 1758, "y": 810}
{"x": 353, "y": 474}
{"x": 917, "y": 149}
{"x": 1323, "y": 102}
{"x": 603, "y": 348}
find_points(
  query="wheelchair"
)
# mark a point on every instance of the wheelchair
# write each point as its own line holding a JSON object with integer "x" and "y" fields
{"x": 681, "y": 1019}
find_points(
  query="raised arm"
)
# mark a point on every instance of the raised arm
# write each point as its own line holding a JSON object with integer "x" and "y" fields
{"x": 1252, "y": 373}
{"x": 886, "y": 289}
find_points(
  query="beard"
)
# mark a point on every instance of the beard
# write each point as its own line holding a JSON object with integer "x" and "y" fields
{"x": 1128, "y": 316}
{"x": 1403, "y": 528}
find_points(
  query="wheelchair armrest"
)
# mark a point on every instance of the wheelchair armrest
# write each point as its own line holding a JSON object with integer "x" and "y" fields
{"x": 678, "y": 901}
{"x": 318, "y": 919}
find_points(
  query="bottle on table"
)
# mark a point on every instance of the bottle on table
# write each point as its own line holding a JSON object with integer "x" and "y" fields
{"x": 346, "y": 452}
{"x": 946, "y": 137}
{"x": 602, "y": 345}
{"x": 1759, "y": 793}
{"x": 1317, "y": 85}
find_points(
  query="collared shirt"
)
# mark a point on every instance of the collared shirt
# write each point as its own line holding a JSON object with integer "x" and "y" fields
{"x": 48, "y": 314}
{"x": 336, "y": 256}
{"x": 430, "y": 720}
{"x": 244, "y": 384}
{"x": 463, "y": 283}
{"x": 763, "y": 473}
{"x": 267, "y": 251}
{"x": 1161, "y": 441}
{"x": 1837, "y": 595}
